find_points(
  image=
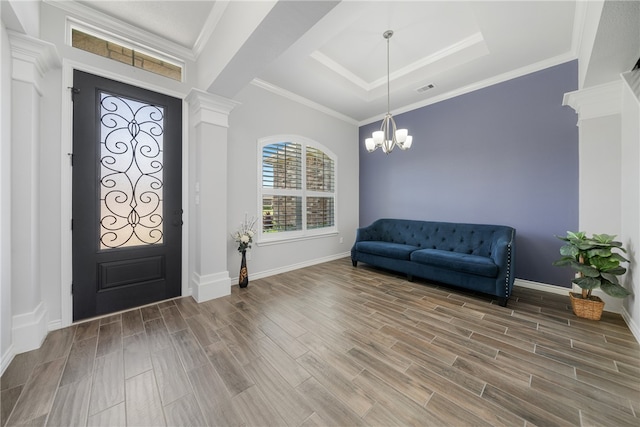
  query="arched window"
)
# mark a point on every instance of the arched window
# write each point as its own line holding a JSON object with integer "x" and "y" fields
{"x": 297, "y": 193}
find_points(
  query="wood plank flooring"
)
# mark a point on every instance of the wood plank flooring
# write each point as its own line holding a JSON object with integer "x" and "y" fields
{"x": 333, "y": 345}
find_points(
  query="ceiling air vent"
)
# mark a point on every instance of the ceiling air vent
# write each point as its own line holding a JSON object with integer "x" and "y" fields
{"x": 423, "y": 89}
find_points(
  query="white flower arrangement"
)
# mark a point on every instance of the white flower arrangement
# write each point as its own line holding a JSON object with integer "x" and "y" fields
{"x": 245, "y": 233}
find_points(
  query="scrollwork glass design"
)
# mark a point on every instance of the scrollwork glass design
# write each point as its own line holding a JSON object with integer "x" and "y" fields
{"x": 131, "y": 172}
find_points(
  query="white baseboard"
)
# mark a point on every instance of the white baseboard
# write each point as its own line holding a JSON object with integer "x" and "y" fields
{"x": 210, "y": 286}
{"x": 541, "y": 287}
{"x": 7, "y": 358}
{"x": 613, "y": 305}
{"x": 287, "y": 268}
{"x": 29, "y": 329}
{"x": 632, "y": 326}
{"x": 54, "y": 324}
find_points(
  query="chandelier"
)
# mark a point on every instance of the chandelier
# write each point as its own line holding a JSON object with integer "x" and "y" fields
{"x": 388, "y": 136}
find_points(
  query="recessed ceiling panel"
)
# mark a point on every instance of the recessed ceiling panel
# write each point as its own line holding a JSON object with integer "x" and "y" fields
{"x": 421, "y": 29}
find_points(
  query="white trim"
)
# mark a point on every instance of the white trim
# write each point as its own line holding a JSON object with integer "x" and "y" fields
{"x": 632, "y": 326}
{"x": 209, "y": 108}
{"x": 613, "y": 305}
{"x": 54, "y": 325}
{"x": 81, "y": 27}
{"x": 544, "y": 287}
{"x": 632, "y": 82}
{"x": 538, "y": 66}
{"x": 302, "y": 100}
{"x": 298, "y": 238}
{"x": 263, "y": 239}
{"x": 210, "y": 286}
{"x": 579, "y": 22}
{"x": 455, "y": 48}
{"x": 119, "y": 29}
{"x": 287, "y": 268}
{"x": 31, "y": 59}
{"x": 210, "y": 25}
{"x": 597, "y": 101}
{"x": 7, "y": 358}
{"x": 30, "y": 329}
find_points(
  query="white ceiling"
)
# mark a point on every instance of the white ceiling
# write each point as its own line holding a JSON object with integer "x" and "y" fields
{"x": 333, "y": 54}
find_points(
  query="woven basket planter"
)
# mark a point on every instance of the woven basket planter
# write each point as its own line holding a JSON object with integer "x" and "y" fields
{"x": 586, "y": 308}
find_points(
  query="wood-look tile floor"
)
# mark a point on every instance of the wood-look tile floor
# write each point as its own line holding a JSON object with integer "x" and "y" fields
{"x": 333, "y": 345}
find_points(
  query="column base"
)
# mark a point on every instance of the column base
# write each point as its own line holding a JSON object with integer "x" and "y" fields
{"x": 210, "y": 286}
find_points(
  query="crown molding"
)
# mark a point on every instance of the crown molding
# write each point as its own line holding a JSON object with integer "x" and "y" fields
{"x": 32, "y": 58}
{"x": 122, "y": 30}
{"x": 210, "y": 24}
{"x": 456, "y": 48}
{"x": 579, "y": 22}
{"x": 532, "y": 68}
{"x": 302, "y": 100}
{"x": 597, "y": 101}
{"x": 632, "y": 80}
{"x": 205, "y": 107}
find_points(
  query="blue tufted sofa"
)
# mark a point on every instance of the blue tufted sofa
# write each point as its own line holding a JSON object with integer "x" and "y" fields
{"x": 479, "y": 257}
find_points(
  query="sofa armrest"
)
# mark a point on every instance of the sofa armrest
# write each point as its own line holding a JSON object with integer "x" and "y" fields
{"x": 503, "y": 254}
{"x": 366, "y": 233}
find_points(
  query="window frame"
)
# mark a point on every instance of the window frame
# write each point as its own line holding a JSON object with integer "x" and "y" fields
{"x": 304, "y": 233}
{"x": 110, "y": 37}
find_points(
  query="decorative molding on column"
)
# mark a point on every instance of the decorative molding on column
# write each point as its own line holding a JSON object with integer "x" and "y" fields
{"x": 596, "y": 101}
{"x": 209, "y": 108}
{"x": 632, "y": 80}
{"x": 30, "y": 329}
{"x": 32, "y": 58}
{"x": 210, "y": 286}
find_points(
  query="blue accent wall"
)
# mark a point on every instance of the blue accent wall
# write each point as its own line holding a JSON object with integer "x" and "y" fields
{"x": 506, "y": 154}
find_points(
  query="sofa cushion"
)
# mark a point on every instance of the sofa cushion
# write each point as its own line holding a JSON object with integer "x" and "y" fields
{"x": 386, "y": 249}
{"x": 466, "y": 263}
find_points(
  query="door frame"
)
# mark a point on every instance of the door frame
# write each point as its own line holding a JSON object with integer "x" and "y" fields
{"x": 66, "y": 173}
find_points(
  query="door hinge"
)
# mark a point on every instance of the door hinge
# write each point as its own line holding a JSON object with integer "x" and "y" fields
{"x": 74, "y": 92}
{"x": 72, "y": 288}
{"x": 70, "y": 158}
{"x": 71, "y": 223}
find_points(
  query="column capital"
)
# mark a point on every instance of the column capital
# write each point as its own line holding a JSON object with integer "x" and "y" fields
{"x": 597, "y": 101}
{"x": 32, "y": 58}
{"x": 206, "y": 107}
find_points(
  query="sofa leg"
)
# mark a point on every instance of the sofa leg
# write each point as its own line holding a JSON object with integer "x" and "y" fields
{"x": 354, "y": 262}
{"x": 409, "y": 277}
{"x": 502, "y": 301}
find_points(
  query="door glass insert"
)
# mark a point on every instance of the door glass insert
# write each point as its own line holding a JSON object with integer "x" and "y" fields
{"x": 131, "y": 166}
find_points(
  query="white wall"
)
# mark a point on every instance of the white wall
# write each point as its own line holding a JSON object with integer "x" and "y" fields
{"x": 630, "y": 138}
{"x": 5, "y": 198}
{"x": 600, "y": 179}
{"x": 599, "y": 171}
{"x": 261, "y": 114}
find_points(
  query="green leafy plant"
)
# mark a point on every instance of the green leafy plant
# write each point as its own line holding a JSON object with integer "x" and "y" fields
{"x": 597, "y": 260}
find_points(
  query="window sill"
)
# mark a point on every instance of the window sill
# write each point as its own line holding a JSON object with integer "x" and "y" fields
{"x": 270, "y": 242}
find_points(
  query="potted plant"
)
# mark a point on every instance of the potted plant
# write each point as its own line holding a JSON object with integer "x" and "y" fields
{"x": 597, "y": 261}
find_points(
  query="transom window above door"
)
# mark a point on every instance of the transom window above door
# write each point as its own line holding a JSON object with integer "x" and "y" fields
{"x": 117, "y": 49}
{"x": 297, "y": 192}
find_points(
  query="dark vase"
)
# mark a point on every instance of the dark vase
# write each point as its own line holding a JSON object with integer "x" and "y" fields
{"x": 243, "y": 280}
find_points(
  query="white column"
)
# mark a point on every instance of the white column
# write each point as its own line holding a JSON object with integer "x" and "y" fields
{"x": 31, "y": 59}
{"x": 630, "y": 236}
{"x": 600, "y": 159}
{"x": 208, "y": 120}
